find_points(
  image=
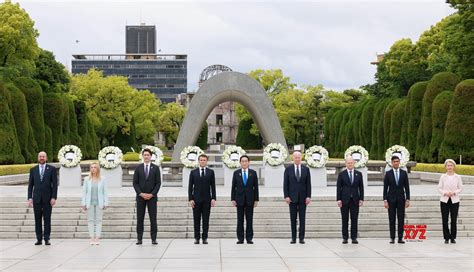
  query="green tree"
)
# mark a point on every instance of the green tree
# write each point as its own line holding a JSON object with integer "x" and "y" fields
{"x": 202, "y": 139}
{"x": 10, "y": 151}
{"x": 18, "y": 46}
{"x": 272, "y": 81}
{"x": 146, "y": 116}
{"x": 170, "y": 121}
{"x": 415, "y": 99}
{"x": 22, "y": 123}
{"x": 396, "y": 122}
{"x": 51, "y": 74}
{"x": 459, "y": 126}
{"x": 440, "y": 82}
{"x": 366, "y": 122}
{"x": 54, "y": 119}
{"x": 441, "y": 106}
{"x": 245, "y": 139}
{"x": 34, "y": 100}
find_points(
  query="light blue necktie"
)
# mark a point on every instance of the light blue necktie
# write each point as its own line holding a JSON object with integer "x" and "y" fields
{"x": 396, "y": 176}
{"x": 245, "y": 178}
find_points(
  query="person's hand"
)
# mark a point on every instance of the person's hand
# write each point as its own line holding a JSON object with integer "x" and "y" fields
{"x": 149, "y": 196}
{"x": 104, "y": 208}
{"x": 213, "y": 203}
{"x": 192, "y": 204}
{"x": 288, "y": 200}
{"x": 339, "y": 204}
{"x": 361, "y": 202}
{"x": 30, "y": 202}
{"x": 307, "y": 201}
{"x": 385, "y": 204}
{"x": 234, "y": 203}
{"x": 52, "y": 202}
{"x": 407, "y": 203}
{"x": 255, "y": 204}
{"x": 84, "y": 207}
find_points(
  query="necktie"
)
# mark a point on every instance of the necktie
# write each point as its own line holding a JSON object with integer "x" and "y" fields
{"x": 41, "y": 172}
{"x": 298, "y": 176}
{"x": 396, "y": 176}
{"x": 202, "y": 172}
{"x": 350, "y": 177}
{"x": 146, "y": 171}
{"x": 245, "y": 178}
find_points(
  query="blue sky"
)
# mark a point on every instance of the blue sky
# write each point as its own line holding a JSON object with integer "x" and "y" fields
{"x": 313, "y": 42}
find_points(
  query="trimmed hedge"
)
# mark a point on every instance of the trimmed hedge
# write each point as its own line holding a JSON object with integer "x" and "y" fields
{"x": 74, "y": 137}
{"x": 396, "y": 122}
{"x": 202, "y": 139}
{"x": 459, "y": 128}
{"x": 48, "y": 141}
{"x": 366, "y": 124}
{"x": 376, "y": 128}
{"x": 22, "y": 123}
{"x": 54, "y": 119}
{"x": 439, "y": 168}
{"x": 10, "y": 151}
{"x": 34, "y": 99}
{"x": 441, "y": 106}
{"x": 335, "y": 128}
{"x": 415, "y": 101}
{"x": 445, "y": 81}
{"x": 66, "y": 139}
{"x": 15, "y": 169}
{"x": 387, "y": 122}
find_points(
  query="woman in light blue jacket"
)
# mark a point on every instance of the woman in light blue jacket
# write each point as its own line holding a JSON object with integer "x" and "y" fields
{"x": 94, "y": 201}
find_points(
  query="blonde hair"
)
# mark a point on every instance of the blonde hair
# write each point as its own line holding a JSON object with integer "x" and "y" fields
{"x": 449, "y": 161}
{"x": 98, "y": 171}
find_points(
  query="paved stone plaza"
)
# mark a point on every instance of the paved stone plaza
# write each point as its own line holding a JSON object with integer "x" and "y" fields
{"x": 224, "y": 255}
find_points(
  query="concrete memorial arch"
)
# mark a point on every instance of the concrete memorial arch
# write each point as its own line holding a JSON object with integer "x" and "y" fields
{"x": 229, "y": 86}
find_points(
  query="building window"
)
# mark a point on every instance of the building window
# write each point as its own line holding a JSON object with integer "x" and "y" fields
{"x": 218, "y": 137}
{"x": 219, "y": 119}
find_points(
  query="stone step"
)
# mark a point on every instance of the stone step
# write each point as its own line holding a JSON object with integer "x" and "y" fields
{"x": 216, "y": 235}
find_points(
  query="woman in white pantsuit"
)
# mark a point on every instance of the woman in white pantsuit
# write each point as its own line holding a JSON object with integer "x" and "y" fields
{"x": 94, "y": 201}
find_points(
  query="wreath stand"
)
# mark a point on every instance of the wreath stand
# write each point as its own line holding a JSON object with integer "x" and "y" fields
{"x": 70, "y": 177}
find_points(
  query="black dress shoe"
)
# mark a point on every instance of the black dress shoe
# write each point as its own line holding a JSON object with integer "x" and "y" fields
{"x": 446, "y": 241}
{"x": 204, "y": 241}
{"x": 354, "y": 241}
{"x": 344, "y": 241}
{"x": 38, "y": 243}
{"x": 250, "y": 242}
{"x": 392, "y": 241}
{"x": 293, "y": 242}
{"x": 196, "y": 241}
{"x": 240, "y": 242}
{"x": 400, "y": 241}
{"x": 154, "y": 242}
{"x": 453, "y": 241}
{"x": 302, "y": 241}
{"x": 46, "y": 242}
{"x": 139, "y": 242}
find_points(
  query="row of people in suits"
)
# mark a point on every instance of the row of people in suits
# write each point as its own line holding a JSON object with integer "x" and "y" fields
{"x": 42, "y": 195}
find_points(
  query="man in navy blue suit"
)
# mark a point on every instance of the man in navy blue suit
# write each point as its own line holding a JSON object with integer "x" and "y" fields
{"x": 350, "y": 196}
{"x": 42, "y": 195}
{"x": 297, "y": 192}
{"x": 202, "y": 196}
{"x": 396, "y": 197}
{"x": 244, "y": 196}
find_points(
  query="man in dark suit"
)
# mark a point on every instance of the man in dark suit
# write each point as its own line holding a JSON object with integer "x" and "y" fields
{"x": 202, "y": 195}
{"x": 350, "y": 196}
{"x": 297, "y": 192}
{"x": 42, "y": 195}
{"x": 244, "y": 196}
{"x": 146, "y": 182}
{"x": 396, "y": 197}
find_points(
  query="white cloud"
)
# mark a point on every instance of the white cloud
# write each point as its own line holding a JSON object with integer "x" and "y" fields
{"x": 314, "y": 42}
